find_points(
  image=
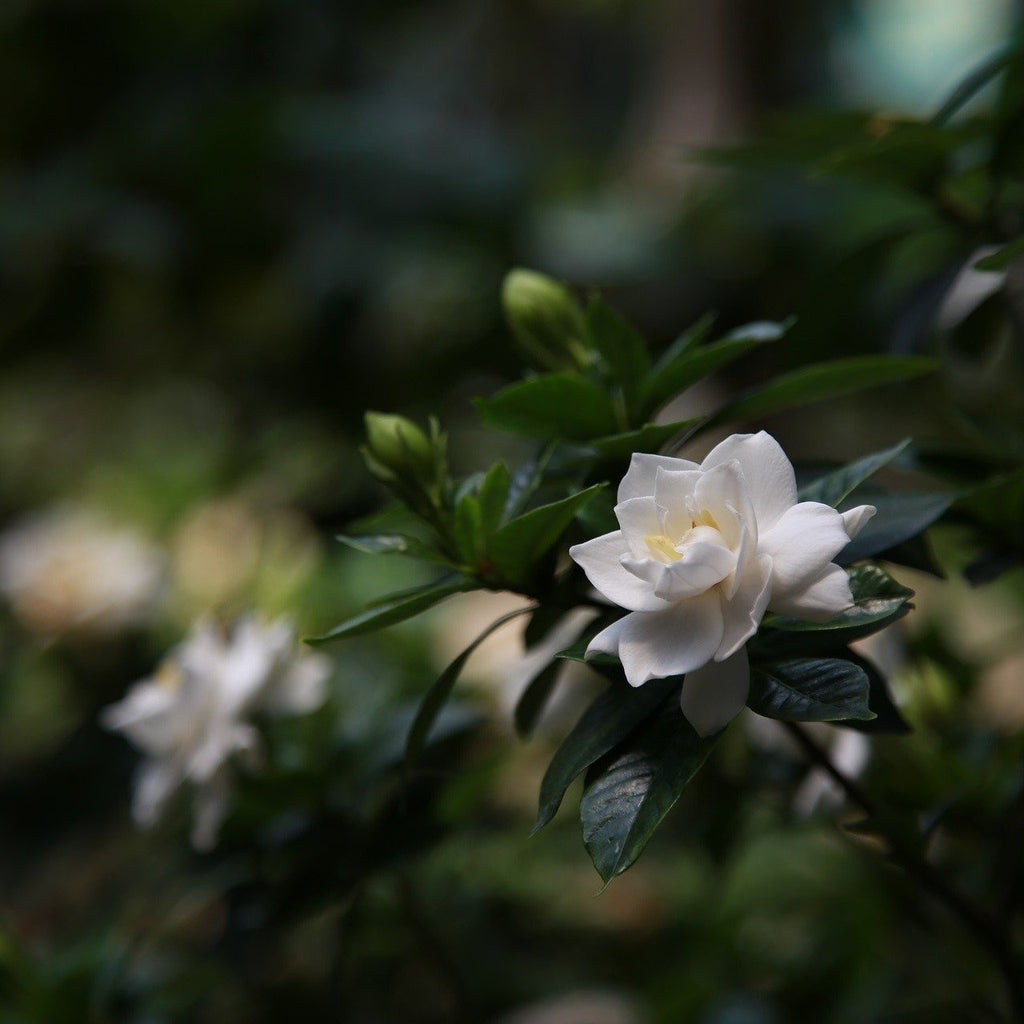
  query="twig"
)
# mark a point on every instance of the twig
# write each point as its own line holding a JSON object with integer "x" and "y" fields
{"x": 986, "y": 929}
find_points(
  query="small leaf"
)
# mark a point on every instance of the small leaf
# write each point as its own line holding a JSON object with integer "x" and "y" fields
{"x": 832, "y": 488}
{"x": 614, "y": 713}
{"x": 1003, "y": 258}
{"x": 534, "y": 697}
{"x": 394, "y": 544}
{"x": 810, "y": 690}
{"x": 438, "y": 694}
{"x": 397, "y": 608}
{"x": 469, "y": 529}
{"x": 648, "y": 438}
{"x": 822, "y": 381}
{"x": 690, "y": 338}
{"x": 898, "y": 518}
{"x": 691, "y": 366}
{"x": 627, "y": 795}
{"x": 493, "y": 496}
{"x": 519, "y": 544}
{"x": 621, "y": 347}
{"x": 557, "y": 405}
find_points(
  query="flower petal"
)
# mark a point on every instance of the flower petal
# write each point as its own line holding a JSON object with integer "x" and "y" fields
{"x": 713, "y": 695}
{"x": 723, "y": 492}
{"x": 638, "y": 517}
{"x": 744, "y": 612}
{"x": 701, "y": 566}
{"x": 855, "y": 519}
{"x": 639, "y": 479}
{"x": 674, "y": 494}
{"x": 652, "y": 645}
{"x": 801, "y": 544}
{"x": 155, "y": 781}
{"x": 771, "y": 482}
{"x": 821, "y": 599}
{"x": 601, "y": 559}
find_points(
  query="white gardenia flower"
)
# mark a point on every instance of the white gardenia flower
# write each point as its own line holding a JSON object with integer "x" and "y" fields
{"x": 191, "y": 716}
{"x": 702, "y": 552}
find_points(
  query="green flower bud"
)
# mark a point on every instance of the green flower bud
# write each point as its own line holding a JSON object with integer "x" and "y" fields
{"x": 545, "y": 318}
{"x": 398, "y": 449}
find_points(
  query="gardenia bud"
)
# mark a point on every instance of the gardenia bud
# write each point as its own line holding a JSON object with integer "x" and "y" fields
{"x": 396, "y": 448}
{"x": 544, "y": 317}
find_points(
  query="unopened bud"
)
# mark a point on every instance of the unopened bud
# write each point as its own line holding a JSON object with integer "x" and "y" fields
{"x": 396, "y": 448}
{"x": 544, "y": 317}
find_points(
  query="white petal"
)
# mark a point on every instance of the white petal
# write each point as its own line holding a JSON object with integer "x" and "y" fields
{"x": 700, "y": 568}
{"x": 301, "y": 687}
{"x": 639, "y": 479}
{"x": 855, "y": 519}
{"x": 819, "y": 600}
{"x": 745, "y": 610}
{"x": 637, "y": 518}
{"x": 723, "y": 492}
{"x": 155, "y": 781}
{"x": 713, "y": 695}
{"x": 674, "y": 492}
{"x": 771, "y": 482}
{"x": 601, "y": 560}
{"x": 607, "y": 641}
{"x": 652, "y": 645}
{"x": 801, "y": 545}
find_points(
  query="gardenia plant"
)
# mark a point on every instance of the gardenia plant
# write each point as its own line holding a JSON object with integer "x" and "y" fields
{"x": 701, "y": 552}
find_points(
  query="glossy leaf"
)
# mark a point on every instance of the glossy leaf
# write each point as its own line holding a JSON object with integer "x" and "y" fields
{"x": 394, "y": 544}
{"x": 823, "y": 381}
{"x": 614, "y": 713}
{"x": 620, "y": 346}
{"x": 438, "y": 694}
{"x": 627, "y": 795}
{"x": 648, "y": 438}
{"x": 517, "y": 546}
{"x": 557, "y": 405}
{"x": 689, "y": 339}
{"x": 494, "y": 491}
{"x": 693, "y": 365}
{"x": 898, "y": 518}
{"x": 887, "y": 715}
{"x": 397, "y": 608}
{"x": 810, "y": 690}
{"x": 1003, "y": 258}
{"x": 832, "y": 488}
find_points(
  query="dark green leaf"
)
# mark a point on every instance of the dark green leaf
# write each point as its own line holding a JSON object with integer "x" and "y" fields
{"x": 519, "y": 544}
{"x": 397, "y": 608}
{"x": 810, "y": 690}
{"x": 648, "y": 438}
{"x": 898, "y": 518}
{"x": 690, "y": 338}
{"x": 670, "y": 379}
{"x": 1003, "y": 258}
{"x": 535, "y": 696}
{"x": 623, "y": 350}
{"x": 438, "y": 694}
{"x": 832, "y": 488}
{"x": 394, "y": 544}
{"x": 557, "y": 405}
{"x": 493, "y": 496}
{"x": 469, "y": 529}
{"x": 541, "y": 623}
{"x": 887, "y": 716}
{"x": 598, "y": 516}
{"x": 627, "y": 796}
{"x": 823, "y": 381}
{"x": 615, "y": 712}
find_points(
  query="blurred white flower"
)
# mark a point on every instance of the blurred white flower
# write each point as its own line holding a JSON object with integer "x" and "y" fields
{"x": 191, "y": 717}
{"x": 701, "y": 553}
{"x": 71, "y": 570}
